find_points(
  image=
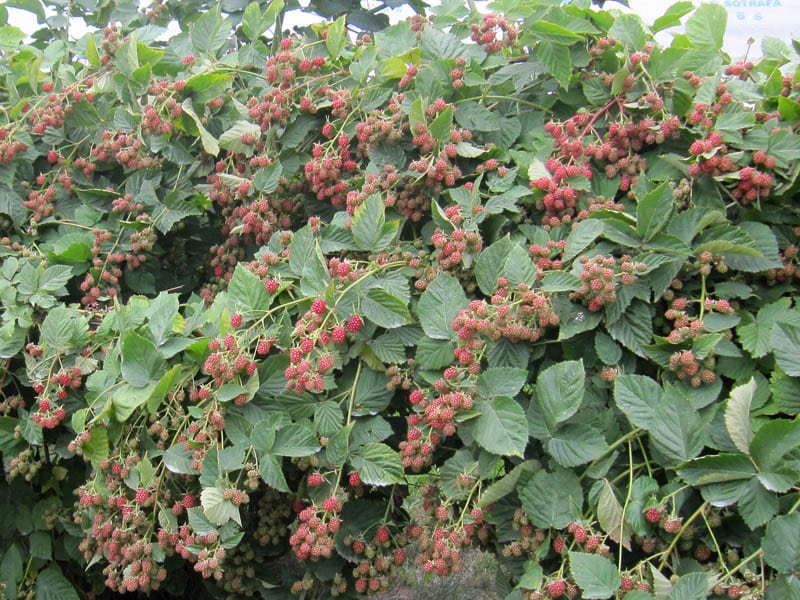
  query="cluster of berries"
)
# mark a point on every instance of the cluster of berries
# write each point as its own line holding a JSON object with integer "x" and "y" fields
{"x": 599, "y": 279}
{"x": 494, "y": 33}
{"x": 313, "y": 538}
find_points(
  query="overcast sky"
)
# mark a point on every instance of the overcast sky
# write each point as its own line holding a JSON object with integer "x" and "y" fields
{"x": 746, "y": 18}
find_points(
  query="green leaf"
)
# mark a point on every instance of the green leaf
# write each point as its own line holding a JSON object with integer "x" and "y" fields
{"x": 217, "y": 509}
{"x": 676, "y": 432}
{"x": 271, "y": 471}
{"x": 10, "y": 38}
{"x": 610, "y": 515}
{"x": 555, "y": 58}
{"x": 142, "y": 365}
{"x": 506, "y": 485}
{"x": 552, "y": 32}
{"x": 559, "y": 281}
{"x": 583, "y": 234}
{"x": 336, "y": 38}
{"x": 766, "y": 256}
{"x": 781, "y": 544}
{"x": 559, "y": 391}
{"x": 54, "y": 278}
{"x": 773, "y": 441}
{"x": 737, "y": 415}
{"x": 41, "y": 545}
{"x": 210, "y": 32}
{"x": 96, "y": 448}
{"x": 64, "y": 328}
{"x": 266, "y": 180}
{"x": 693, "y": 586}
{"x": 672, "y": 17}
{"x": 126, "y": 399}
{"x": 501, "y": 426}
{"x": 377, "y": 464}
{"x": 597, "y": 576}
{"x": 634, "y": 328}
{"x": 629, "y": 30}
{"x": 653, "y": 211}
{"x": 255, "y": 22}
{"x": 328, "y": 417}
{"x": 384, "y": 309}
{"x": 552, "y": 499}
{"x": 434, "y": 354}
{"x": 232, "y": 138}
{"x": 718, "y": 468}
{"x": 519, "y": 268}
{"x": 504, "y": 381}
{"x": 439, "y": 304}
{"x": 785, "y": 342}
{"x": 178, "y": 459}
{"x": 246, "y": 292}
{"x": 369, "y": 228}
{"x": 52, "y": 585}
{"x": 490, "y": 264}
{"x": 575, "y": 444}
{"x": 757, "y": 505}
{"x": 608, "y": 351}
{"x": 295, "y": 440}
{"x": 441, "y": 125}
{"x": 161, "y": 316}
{"x": 208, "y": 141}
{"x": 706, "y": 28}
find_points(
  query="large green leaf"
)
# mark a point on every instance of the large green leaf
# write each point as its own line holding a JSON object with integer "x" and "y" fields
{"x": 676, "y": 431}
{"x": 501, "y": 427}
{"x": 575, "y": 444}
{"x": 52, "y": 585}
{"x": 737, "y": 415}
{"x": 597, "y": 576}
{"x": 706, "y": 27}
{"x": 716, "y": 468}
{"x": 638, "y": 397}
{"x": 384, "y": 309}
{"x": 653, "y": 211}
{"x": 552, "y": 499}
{"x": 555, "y": 58}
{"x": 377, "y": 464}
{"x": 142, "y": 365}
{"x": 501, "y": 381}
{"x": 781, "y": 544}
{"x": 785, "y": 341}
{"x": 559, "y": 392}
{"x": 439, "y": 304}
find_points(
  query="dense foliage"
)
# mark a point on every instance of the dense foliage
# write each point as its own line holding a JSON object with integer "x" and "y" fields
{"x": 282, "y": 314}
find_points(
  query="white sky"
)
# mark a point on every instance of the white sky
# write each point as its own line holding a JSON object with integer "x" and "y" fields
{"x": 746, "y": 18}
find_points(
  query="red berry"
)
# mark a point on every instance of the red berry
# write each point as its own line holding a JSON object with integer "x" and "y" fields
{"x": 331, "y": 505}
{"x": 653, "y": 515}
{"x": 47, "y": 86}
{"x": 354, "y": 479}
{"x": 318, "y": 306}
{"x": 262, "y": 348}
{"x": 382, "y": 535}
{"x": 339, "y": 335}
{"x": 141, "y": 496}
{"x": 315, "y": 479}
{"x": 354, "y": 324}
{"x": 556, "y": 589}
{"x": 272, "y": 286}
{"x": 236, "y": 320}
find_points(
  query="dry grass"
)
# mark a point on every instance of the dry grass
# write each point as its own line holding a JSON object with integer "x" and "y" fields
{"x": 475, "y": 581}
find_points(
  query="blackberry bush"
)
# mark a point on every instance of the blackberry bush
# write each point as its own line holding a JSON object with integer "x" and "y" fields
{"x": 284, "y": 312}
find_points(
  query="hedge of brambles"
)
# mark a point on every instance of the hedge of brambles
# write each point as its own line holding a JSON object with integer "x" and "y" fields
{"x": 282, "y": 313}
